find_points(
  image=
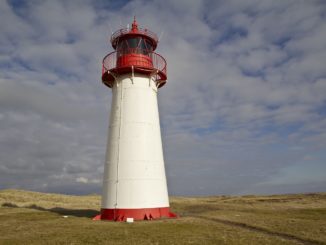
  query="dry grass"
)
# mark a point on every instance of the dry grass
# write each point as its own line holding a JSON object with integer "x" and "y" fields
{"x": 37, "y": 218}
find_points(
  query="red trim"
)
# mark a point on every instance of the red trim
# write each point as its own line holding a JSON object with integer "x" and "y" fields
{"x": 137, "y": 214}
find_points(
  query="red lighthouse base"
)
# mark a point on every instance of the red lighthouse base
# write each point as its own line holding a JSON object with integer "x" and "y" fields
{"x": 137, "y": 214}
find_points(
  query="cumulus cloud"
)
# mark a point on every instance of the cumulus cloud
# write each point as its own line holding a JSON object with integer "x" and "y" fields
{"x": 246, "y": 86}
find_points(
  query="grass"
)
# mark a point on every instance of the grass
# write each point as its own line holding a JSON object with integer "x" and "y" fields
{"x": 37, "y": 218}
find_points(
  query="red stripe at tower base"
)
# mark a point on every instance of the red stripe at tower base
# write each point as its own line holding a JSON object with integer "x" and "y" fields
{"x": 137, "y": 214}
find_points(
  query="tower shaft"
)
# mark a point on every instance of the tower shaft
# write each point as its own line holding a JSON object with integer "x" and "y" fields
{"x": 134, "y": 174}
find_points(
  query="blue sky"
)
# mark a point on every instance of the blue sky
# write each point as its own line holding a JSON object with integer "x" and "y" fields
{"x": 243, "y": 112}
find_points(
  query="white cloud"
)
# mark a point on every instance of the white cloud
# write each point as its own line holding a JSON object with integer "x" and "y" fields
{"x": 82, "y": 180}
{"x": 246, "y": 84}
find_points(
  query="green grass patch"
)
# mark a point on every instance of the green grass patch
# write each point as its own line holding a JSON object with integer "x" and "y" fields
{"x": 38, "y": 218}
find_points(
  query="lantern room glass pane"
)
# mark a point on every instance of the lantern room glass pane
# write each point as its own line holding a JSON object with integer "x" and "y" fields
{"x": 142, "y": 44}
{"x": 143, "y": 48}
{"x": 134, "y": 45}
{"x": 122, "y": 47}
{"x": 133, "y": 42}
{"x": 149, "y": 45}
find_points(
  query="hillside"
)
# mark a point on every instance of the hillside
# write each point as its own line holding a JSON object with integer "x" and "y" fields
{"x": 41, "y": 218}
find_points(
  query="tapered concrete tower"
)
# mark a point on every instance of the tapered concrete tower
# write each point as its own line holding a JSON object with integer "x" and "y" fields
{"x": 134, "y": 182}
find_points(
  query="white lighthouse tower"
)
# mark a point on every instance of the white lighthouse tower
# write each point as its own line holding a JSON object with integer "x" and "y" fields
{"x": 134, "y": 182}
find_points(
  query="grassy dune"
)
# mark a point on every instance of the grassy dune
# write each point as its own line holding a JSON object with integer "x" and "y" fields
{"x": 37, "y": 218}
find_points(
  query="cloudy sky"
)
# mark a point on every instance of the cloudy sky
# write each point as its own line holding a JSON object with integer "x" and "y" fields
{"x": 244, "y": 110}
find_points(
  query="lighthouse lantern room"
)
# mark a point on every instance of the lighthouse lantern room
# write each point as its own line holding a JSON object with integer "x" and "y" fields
{"x": 134, "y": 52}
{"x": 134, "y": 180}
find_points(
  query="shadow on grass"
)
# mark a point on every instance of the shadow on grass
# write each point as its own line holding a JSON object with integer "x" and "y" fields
{"x": 87, "y": 213}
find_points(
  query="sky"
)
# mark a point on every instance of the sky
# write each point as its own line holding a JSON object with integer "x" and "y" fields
{"x": 243, "y": 112}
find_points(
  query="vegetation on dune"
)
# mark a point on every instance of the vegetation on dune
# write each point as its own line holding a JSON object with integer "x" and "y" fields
{"x": 37, "y": 218}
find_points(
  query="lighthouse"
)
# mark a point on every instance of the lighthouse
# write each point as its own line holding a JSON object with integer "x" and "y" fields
{"x": 134, "y": 180}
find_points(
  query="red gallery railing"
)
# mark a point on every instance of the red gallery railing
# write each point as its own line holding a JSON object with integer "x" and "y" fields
{"x": 158, "y": 64}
